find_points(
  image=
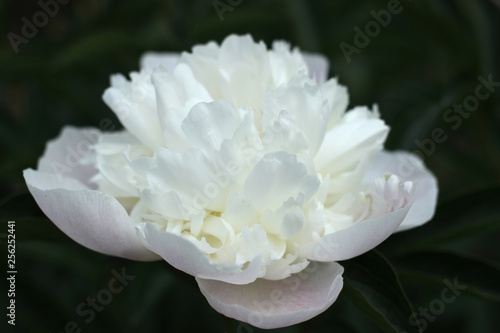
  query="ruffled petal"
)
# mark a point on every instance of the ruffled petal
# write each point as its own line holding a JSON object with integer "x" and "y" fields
{"x": 408, "y": 166}
{"x": 185, "y": 256}
{"x": 134, "y": 103}
{"x": 176, "y": 93}
{"x": 306, "y": 105}
{"x": 276, "y": 178}
{"x": 191, "y": 174}
{"x": 355, "y": 240}
{"x": 272, "y": 304}
{"x": 285, "y": 63}
{"x": 208, "y": 124}
{"x": 91, "y": 218}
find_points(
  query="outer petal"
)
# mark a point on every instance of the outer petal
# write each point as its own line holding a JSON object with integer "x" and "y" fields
{"x": 166, "y": 59}
{"x": 355, "y": 240}
{"x": 408, "y": 166}
{"x": 185, "y": 256}
{"x": 272, "y": 304}
{"x": 93, "y": 219}
{"x": 63, "y": 155}
{"x": 318, "y": 66}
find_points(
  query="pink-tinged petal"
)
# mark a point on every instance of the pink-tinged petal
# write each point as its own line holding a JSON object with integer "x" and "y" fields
{"x": 318, "y": 66}
{"x": 185, "y": 256}
{"x": 355, "y": 240}
{"x": 166, "y": 59}
{"x": 272, "y": 304}
{"x": 91, "y": 218}
{"x": 64, "y": 156}
{"x": 408, "y": 166}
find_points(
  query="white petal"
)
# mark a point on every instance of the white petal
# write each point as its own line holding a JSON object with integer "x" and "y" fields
{"x": 153, "y": 59}
{"x": 306, "y": 105}
{"x": 290, "y": 264}
{"x": 318, "y": 66}
{"x": 185, "y": 256}
{"x": 204, "y": 63}
{"x": 65, "y": 155}
{"x": 285, "y": 63}
{"x": 277, "y": 177}
{"x": 345, "y": 145}
{"x": 134, "y": 103}
{"x": 192, "y": 174}
{"x": 284, "y": 134}
{"x": 176, "y": 94}
{"x": 257, "y": 243}
{"x": 272, "y": 304}
{"x": 338, "y": 99}
{"x": 356, "y": 239}
{"x": 113, "y": 153}
{"x": 208, "y": 124}
{"x": 407, "y": 166}
{"x": 287, "y": 221}
{"x": 239, "y": 211}
{"x": 171, "y": 204}
{"x": 245, "y": 67}
{"x": 91, "y": 218}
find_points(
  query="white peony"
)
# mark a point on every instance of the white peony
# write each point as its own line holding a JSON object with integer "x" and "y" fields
{"x": 240, "y": 166}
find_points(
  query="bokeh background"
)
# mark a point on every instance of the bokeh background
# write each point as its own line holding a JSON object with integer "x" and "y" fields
{"x": 427, "y": 58}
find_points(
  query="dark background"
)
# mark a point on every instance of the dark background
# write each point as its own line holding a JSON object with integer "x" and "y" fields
{"x": 426, "y": 59}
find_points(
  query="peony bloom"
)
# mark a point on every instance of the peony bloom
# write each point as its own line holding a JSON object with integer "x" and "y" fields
{"x": 240, "y": 166}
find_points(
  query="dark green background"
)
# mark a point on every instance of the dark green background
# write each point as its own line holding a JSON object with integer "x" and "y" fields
{"x": 428, "y": 58}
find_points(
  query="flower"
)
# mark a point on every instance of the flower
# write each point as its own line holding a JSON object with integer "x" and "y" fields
{"x": 240, "y": 166}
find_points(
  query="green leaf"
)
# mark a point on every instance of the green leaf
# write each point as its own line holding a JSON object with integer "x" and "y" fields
{"x": 373, "y": 285}
{"x": 479, "y": 278}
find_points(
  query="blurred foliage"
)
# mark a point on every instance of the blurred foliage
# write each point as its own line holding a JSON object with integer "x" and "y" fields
{"x": 426, "y": 59}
